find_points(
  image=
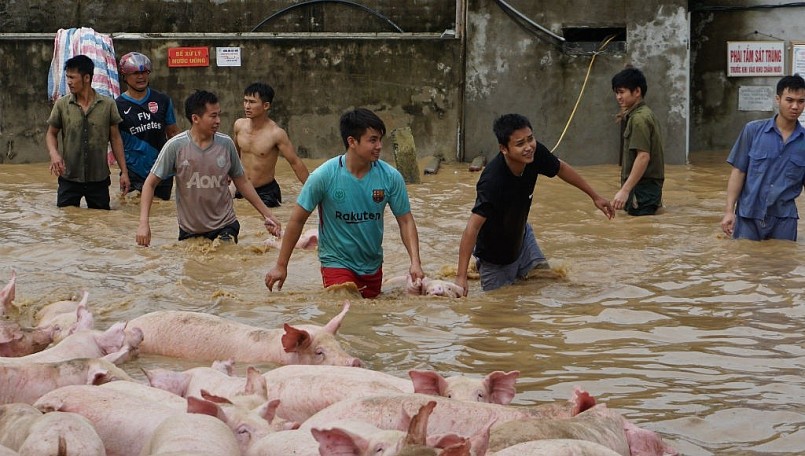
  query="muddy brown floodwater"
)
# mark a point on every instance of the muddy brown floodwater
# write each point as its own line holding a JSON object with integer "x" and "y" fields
{"x": 692, "y": 335}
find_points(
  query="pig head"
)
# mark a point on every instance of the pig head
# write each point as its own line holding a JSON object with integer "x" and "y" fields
{"x": 17, "y": 341}
{"x": 495, "y": 388}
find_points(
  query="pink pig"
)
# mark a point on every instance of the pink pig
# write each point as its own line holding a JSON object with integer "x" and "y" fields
{"x": 204, "y": 337}
{"x": 17, "y": 341}
{"x": 28, "y": 382}
{"x": 426, "y": 286}
{"x": 116, "y": 344}
{"x": 308, "y": 240}
{"x": 450, "y": 416}
{"x": 495, "y": 388}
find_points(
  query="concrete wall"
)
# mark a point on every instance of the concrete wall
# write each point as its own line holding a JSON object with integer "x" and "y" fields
{"x": 512, "y": 69}
{"x": 410, "y": 79}
{"x": 715, "y": 118}
{"x": 447, "y": 90}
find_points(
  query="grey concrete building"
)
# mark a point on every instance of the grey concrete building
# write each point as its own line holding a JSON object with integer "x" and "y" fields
{"x": 444, "y": 68}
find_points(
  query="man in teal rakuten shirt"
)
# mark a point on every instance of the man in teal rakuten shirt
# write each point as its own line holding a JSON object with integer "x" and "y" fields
{"x": 352, "y": 192}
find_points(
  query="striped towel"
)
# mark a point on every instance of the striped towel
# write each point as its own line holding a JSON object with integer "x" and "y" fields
{"x": 98, "y": 47}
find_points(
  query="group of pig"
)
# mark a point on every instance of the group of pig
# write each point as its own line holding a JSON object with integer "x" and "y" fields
{"x": 62, "y": 393}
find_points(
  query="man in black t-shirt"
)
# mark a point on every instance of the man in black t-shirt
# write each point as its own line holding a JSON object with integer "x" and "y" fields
{"x": 498, "y": 233}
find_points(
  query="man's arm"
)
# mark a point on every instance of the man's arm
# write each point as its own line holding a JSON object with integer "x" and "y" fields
{"x": 735, "y": 185}
{"x": 638, "y": 169}
{"x": 146, "y": 198}
{"x": 410, "y": 239}
{"x": 568, "y": 174}
{"x": 246, "y": 189}
{"x": 52, "y": 142}
{"x": 288, "y": 151}
{"x": 117, "y": 150}
{"x": 279, "y": 272}
{"x": 468, "y": 240}
{"x": 171, "y": 131}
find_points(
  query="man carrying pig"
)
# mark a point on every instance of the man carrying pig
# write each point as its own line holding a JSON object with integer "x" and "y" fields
{"x": 352, "y": 192}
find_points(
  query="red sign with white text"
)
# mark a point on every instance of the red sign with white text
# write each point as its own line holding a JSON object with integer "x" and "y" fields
{"x": 188, "y": 57}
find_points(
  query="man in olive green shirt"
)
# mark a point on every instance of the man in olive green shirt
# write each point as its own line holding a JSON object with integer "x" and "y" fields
{"x": 87, "y": 122}
{"x": 643, "y": 170}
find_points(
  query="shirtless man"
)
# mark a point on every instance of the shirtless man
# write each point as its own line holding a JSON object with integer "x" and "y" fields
{"x": 260, "y": 141}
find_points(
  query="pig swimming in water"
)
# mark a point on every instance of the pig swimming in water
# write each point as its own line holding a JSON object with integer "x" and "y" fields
{"x": 204, "y": 337}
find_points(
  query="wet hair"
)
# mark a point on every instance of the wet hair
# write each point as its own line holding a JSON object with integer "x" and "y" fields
{"x": 355, "y": 123}
{"x": 792, "y": 83}
{"x": 197, "y": 103}
{"x": 505, "y": 125}
{"x": 82, "y": 64}
{"x": 630, "y": 78}
{"x": 264, "y": 91}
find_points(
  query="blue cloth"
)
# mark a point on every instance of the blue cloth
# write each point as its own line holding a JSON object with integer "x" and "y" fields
{"x": 351, "y": 212}
{"x": 775, "y": 171}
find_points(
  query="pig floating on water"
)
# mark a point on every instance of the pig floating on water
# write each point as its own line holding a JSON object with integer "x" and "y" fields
{"x": 192, "y": 381}
{"x": 17, "y": 341}
{"x": 308, "y": 240}
{"x": 116, "y": 344}
{"x": 495, "y": 388}
{"x": 556, "y": 447}
{"x": 191, "y": 434}
{"x": 26, "y": 430}
{"x": 70, "y": 316}
{"x": 427, "y": 286}
{"x": 204, "y": 337}
{"x": 28, "y": 382}
{"x": 449, "y": 416}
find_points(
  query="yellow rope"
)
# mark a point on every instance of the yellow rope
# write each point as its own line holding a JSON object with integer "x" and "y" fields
{"x": 578, "y": 100}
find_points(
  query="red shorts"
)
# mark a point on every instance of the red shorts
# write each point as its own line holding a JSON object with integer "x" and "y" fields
{"x": 369, "y": 285}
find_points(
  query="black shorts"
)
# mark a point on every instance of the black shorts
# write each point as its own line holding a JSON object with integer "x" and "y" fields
{"x": 229, "y": 232}
{"x": 163, "y": 190}
{"x": 269, "y": 193}
{"x": 96, "y": 193}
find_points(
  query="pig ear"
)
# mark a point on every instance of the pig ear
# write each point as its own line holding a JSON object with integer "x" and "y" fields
{"x": 428, "y": 382}
{"x": 269, "y": 410}
{"x": 226, "y": 366}
{"x": 83, "y": 317}
{"x": 418, "y": 429}
{"x": 501, "y": 386}
{"x": 97, "y": 376}
{"x": 206, "y": 395}
{"x": 9, "y": 332}
{"x": 479, "y": 442}
{"x": 444, "y": 441}
{"x": 581, "y": 401}
{"x": 8, "y": 293}
{"x": 339, "y": 442}
{"x": 196, "y": 405}
{"x": 255, "y": 383}
{"x": 175, "y": 382}
{"x": 333, "y": 325}
{"x": 113, "y": 338}
{"x": 295, "y": 339}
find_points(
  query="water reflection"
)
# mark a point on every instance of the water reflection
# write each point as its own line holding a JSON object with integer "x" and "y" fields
{"x": 685, "y": 332}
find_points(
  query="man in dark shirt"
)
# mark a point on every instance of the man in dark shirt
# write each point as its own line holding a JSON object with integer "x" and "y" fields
{"x": 498, "y": 233}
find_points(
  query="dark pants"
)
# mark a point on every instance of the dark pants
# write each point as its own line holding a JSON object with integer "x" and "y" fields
{"x": 269, "y": 193}
{"x": 229, "y": 232}
{"x": 96, "y": 193}
{"x": 645, "y": 199}
{"x": 162, "y": 191}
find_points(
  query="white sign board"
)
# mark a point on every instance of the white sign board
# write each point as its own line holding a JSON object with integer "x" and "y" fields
{"x": 798, "y": 66}
{"x": 755, "y": 58}
{"x": 756, "y": 98}
{"x": 227, "y": 56}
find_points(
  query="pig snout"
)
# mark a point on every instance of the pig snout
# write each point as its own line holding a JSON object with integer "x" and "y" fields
{"x": 354, "y": 362}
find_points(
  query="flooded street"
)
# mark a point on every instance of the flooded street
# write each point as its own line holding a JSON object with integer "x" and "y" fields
{"x": 686, "y": 333}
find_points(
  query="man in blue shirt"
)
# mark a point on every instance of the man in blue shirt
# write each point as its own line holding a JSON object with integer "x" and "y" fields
{"x": 148, "y": 122}
{"x": 768, "y": 172}
{"x": 351, "y": 192}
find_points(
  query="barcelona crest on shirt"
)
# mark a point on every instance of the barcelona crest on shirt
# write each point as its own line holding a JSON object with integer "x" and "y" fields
{"x": 378, "y": 195}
